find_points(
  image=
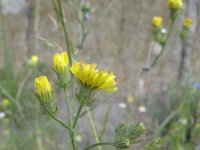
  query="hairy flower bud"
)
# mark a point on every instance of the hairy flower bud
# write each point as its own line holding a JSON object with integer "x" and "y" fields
{"x": 121, "y": 143}
{"x": 44, "y": 94}
{"x": 61, "y": 68}
{"x": 126, "y": 134}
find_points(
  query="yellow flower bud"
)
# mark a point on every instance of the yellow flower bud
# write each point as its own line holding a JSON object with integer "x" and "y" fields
{"x": 34, "y": 58}
{"x": 187, "y": 22}
{"x": 43, "y": 88}
{"x": 44, "y": 94}
{"x": 5, "y": 102}
{"x": 157, "y": 21}
{"x": 60, "y": 62}
{"x": 175, "y": 4}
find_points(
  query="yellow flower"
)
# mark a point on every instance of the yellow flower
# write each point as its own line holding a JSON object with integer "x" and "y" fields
{"x": 60, "y": 62}
{"x": 187, "y": 22}
{"x": 157, "y": 21}
{"x": 43, "y": 88}
{"x": 92, "y": 78}
{"x": 175, "y": 4}
{"x": 5, "y": 102}
{"x": 130, "y": 99}
{"x": 34, "y": 58}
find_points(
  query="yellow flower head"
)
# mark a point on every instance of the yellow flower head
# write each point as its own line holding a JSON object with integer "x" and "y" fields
{"x": 43, "y": 88}
{"x": 34, "y": 58}
{"x": 175, "y": 4}
{"x": 5, "y": 102}
{"x": 60, "y": 62}
{"x": 92, "y": 78}
{"x": 157, "y": 21}
{"x": 187, "y": 22}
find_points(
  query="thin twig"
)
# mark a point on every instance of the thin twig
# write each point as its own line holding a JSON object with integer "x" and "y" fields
{"x": 91, "y": 119}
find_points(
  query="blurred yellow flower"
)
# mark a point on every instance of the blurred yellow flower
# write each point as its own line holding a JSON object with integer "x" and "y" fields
{"x": 130, "y": 99}
{"x": 175, "y": 4}
{"x": 5, "y": 102}
{"x": 187, "y": 22}
{"x": 34, "y": 58}
{"x": 92, "y": 78}
{"x": 157, "y": 21}
{"x": 43, "y": 88}
{"x": 60, "y": 62}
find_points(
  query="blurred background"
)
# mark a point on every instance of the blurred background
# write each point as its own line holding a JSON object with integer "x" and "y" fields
{"x": 119, "y": 41}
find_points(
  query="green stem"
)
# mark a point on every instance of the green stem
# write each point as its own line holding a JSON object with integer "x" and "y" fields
{"x": 104, "y": 123}
{"x": 68, "y": 107}
{"x": 93, "y": 127}
{"x": 70, "y": 118}
{"x": 60, "y": 122}
{"x": 163, "y": 48}
{"x": 77, "y": 115}
{"x": 74, "y": 126}
{"x": 21, "y": 86}
{"x": 65, "y": 32}
{"x": 7, "y": 55}
{"x": 97, "y": 144}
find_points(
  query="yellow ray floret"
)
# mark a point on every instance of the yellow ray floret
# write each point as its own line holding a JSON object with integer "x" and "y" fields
{"x": 60, "y": 62}
{"x": 93, "y": 78}
{"x": 175, "y": 4}
{"x": 43, "y": 88}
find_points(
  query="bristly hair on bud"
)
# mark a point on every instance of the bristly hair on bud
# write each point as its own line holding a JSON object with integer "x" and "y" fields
{"x": 127, "y": 134}
{"x": 44, "y": 94}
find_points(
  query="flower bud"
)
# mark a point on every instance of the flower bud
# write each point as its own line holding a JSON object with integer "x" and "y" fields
{"x": 126, "y": 134}
{"x": 44, "y": 94}
{"x": 60, "y": 62}
{"x": 33, "y": 61}
{"x": 61, "y": 68}
{"x": 136, "y": 131}
{"x": 121, "y": 143}
{"x": 86, "y": 7}
{"x": 5, "y": 102}
{"x": 175, "y": 4}
{"x": 157, "y": 21}
{"x": 187, "y": 23}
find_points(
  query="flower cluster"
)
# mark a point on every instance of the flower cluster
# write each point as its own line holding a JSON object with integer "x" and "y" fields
{"x": 91, "y": 79}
